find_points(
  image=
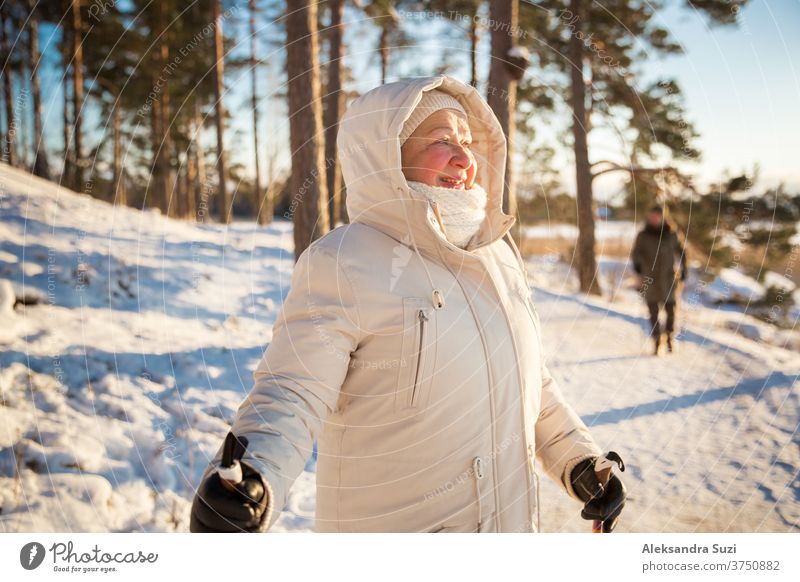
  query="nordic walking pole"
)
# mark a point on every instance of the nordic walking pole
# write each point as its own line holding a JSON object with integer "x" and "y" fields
{"x": 230, "y": 470}
{"x": 604, "y": 467}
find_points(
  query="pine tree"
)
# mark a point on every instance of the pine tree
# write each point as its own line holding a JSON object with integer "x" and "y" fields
{"x": 9, "y": 146}
{"x": 334, "y": 107}
{"x": 603, "y": 48}
{"x": 41, "y": 166}
{"x": 223, "y": 201}
{"x": 308, "y": 186}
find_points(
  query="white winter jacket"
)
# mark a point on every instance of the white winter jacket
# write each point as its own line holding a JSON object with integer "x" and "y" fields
{"x": 416, "y": 365}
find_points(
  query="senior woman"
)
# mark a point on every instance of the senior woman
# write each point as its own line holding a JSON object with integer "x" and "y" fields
{"x": 409, "y": 348}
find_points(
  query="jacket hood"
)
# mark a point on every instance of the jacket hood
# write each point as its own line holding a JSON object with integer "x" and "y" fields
{"x": 378, "y": 194}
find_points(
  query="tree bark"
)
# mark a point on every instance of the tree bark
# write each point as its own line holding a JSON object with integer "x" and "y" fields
{"x": 308, "y": 186}
{"x": 271, "y": 186}
{"x": 190, "y": 185}
{"x": 502, "y": 90}
{"x": 119, "y": 195}
{"x": 164, "y": 145}
{"x": 155, "y": 195}
{"x": 41, "y": 167}
{"x": 384, "y": 52}
{"x": 587, "y": 263}
{"x": 258, "y": 199}
{"x": 77, "y": 93}
{"x": 68, "y": 165}
{"x": 224, "y": 204}
{"x": 473, "y": 54}
{"x": 334, "y": 103}
{"x": 201, "y": 183}
{"x": 9, "y": 151}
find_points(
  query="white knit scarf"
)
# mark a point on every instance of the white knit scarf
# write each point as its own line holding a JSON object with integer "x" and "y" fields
{"x": 462, "y": 211}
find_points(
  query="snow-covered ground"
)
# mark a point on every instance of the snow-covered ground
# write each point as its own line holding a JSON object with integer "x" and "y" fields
{"x": 709, "y": 433}
{"x": 623, "y": 230}
{"x": 122, "y": 381}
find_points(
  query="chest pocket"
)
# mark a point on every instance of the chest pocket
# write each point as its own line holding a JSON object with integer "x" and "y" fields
{"x": 417, "y": 358}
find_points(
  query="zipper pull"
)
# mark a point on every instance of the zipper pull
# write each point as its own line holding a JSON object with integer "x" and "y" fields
{"x": 477, "y": 466}
{"x": 438, "y": 299}
{"x": 422, "y": 316}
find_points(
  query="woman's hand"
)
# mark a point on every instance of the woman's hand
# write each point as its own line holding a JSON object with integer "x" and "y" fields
{"x": 216, "y": 508}
{"x": 601, "y": 502}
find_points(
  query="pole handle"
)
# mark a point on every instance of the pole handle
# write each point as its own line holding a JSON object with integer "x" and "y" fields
{"x": 230, "y": 469}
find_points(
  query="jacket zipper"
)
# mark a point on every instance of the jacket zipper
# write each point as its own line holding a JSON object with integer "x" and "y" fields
{"x": 422, "y": 318}
{"x": 496, "y": 486}
{"x": 521, "y": 388}
{"x": 535, "y": 483}
{"x": 478, "y": 474}
{"x": 531, "y": 453}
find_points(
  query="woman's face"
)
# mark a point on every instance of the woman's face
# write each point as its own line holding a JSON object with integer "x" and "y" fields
{"x": 438, "y": 152}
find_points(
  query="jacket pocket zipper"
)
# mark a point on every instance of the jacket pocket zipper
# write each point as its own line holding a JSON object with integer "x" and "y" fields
{"x": 421, "y": 318}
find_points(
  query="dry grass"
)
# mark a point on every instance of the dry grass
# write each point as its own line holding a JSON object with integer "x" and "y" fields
{"x": 562, "y": 246}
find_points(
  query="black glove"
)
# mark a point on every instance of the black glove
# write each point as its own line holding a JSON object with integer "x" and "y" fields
{"x": 600, "y": 503}
{"x": 217, "y": 509}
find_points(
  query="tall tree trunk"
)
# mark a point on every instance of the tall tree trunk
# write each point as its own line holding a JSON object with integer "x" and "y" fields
{"x": 163, "y": 166}
{"x": 587, "y": 264}
{"x": 77, "y": 92}
{"x": 119, "y": 194}
{"x": 180, "y": 192}
{"x": 333, "y": 111}
{"x": 271, "y": 185}
{"x": 41, "y": 167}
{"x": 219, "y": 108}
{"x": 190, "y": 183}
{"x": 67, "y": 172}
{"x": 261, "y": 216}
{"x": 308, "y": 186}
{"x": 3, "y": 154}
{"x": 9, "y": 151}
{"x": 202, "y": 187}
{"x": 384, "y": 52}
{"x": 156, "y": 195}
{"x": 502, "y": 91}
{"x": 474, "y": 37}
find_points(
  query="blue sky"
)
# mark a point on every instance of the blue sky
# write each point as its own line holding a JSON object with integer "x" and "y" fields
{"x": 741, "y": 85}
{"x": 742, "y": 89}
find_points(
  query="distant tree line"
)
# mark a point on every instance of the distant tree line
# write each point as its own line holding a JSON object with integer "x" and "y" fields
{"x": 156, "y": 73}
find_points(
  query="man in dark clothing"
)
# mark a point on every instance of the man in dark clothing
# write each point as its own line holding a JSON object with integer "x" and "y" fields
{"x": 653, "y": 256}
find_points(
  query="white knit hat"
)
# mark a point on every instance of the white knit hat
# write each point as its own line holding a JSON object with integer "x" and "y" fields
{"x": 431, "y": 102}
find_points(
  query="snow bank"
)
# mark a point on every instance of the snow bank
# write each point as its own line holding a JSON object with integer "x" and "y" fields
{"x": 122, "y": 381}
{"x": 604, "y": 230}
{"x": 134, "y": 345}
{"x": 732, "y": 286}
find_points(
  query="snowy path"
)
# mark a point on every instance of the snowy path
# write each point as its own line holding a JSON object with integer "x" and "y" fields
{"x": 709, "y": 433}
{"x": 116, "y": 389}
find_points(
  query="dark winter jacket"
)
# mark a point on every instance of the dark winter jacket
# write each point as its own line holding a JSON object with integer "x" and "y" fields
{"x": 654, "y": 254}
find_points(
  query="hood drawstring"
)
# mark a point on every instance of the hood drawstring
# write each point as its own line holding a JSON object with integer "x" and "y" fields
{"x": 437, "y": 297}
{"x": 477, "y": 472}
